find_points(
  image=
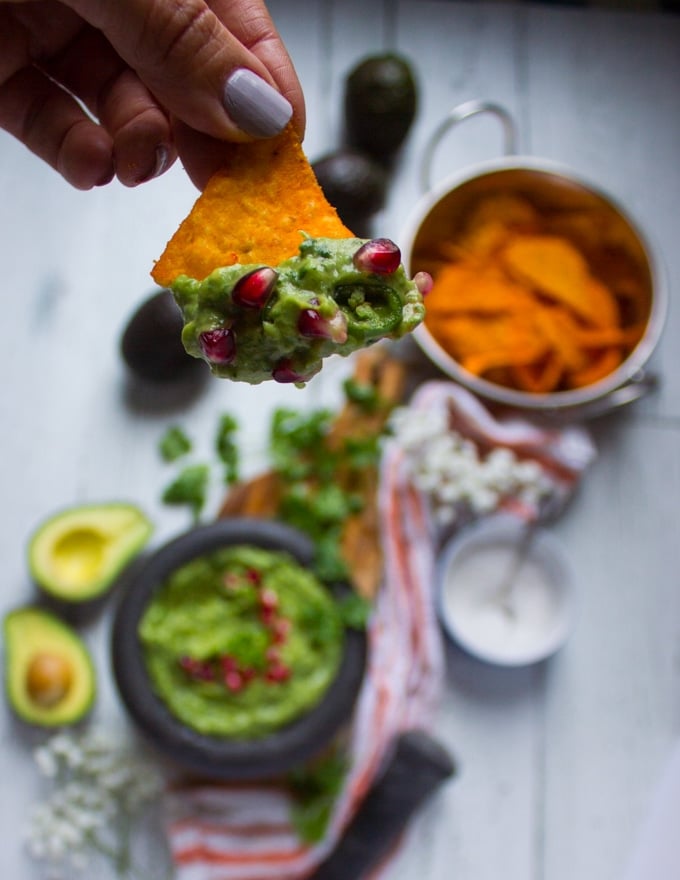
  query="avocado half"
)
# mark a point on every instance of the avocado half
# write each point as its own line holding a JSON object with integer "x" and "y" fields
{"x": 49, "y": 675}
{"x": 77, "y": 554}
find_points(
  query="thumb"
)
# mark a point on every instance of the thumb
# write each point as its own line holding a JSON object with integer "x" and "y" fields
{"x": 194, "y": 64}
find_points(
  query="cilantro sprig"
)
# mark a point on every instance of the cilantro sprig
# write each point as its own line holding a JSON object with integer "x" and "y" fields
{"x": 191, "y": 485}
{"x": 315, "y": 789}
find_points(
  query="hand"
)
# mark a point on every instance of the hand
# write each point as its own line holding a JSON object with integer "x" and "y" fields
{"x": 158, "y": 78}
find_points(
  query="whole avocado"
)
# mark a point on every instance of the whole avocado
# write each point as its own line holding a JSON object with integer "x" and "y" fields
{"x": 354, "y": 184}
{"x": 151, "y": 344}
{"x": 381, "y": 100}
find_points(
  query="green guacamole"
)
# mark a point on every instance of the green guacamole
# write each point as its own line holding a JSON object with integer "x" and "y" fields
{"x": 242, "y": 641}
{"x": 279, "y": 338}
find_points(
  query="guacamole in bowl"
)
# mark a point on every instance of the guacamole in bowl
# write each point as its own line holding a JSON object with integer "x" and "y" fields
{"x": 231, "y": 655}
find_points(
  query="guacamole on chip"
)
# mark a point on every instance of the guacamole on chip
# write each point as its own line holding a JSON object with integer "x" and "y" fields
{"x": 270, "y": 281}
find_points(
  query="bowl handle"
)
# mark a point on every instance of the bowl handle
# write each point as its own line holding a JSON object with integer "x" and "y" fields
{"x": 457, "y": 115}
{"x": 638, "y": 386}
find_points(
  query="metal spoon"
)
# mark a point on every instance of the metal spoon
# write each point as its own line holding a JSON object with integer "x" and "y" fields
{"x": 504, "y": 594}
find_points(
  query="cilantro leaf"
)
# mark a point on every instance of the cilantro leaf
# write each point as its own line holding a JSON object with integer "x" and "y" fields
{"x": 226, "y": 448}
{"x": 354, "y": 610}
{"x": 315, "y": 789}
{"x": 174, "y": 444}
{"x": 190, "y": 487}
{"x": 363, "y": 394}
{"x": 297, "y": 444}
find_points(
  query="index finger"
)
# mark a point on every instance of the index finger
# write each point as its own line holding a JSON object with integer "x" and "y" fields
{"x": 187, "y": 57}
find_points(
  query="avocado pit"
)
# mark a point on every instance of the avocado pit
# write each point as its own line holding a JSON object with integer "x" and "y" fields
{"x": 48, "y": 679}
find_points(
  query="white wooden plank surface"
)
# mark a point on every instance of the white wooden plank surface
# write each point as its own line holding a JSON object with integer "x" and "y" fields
{"x": 558, "y": 762}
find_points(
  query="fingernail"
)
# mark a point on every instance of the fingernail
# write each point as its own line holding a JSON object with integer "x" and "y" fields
{"x": 107, "y": 177}
{"x": 254, "y": 106}
{"x": 161, "y": 160}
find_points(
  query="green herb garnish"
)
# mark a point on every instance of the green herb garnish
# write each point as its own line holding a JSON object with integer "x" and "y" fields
{"x": 174, "y": 444}
{"x": 354, "y": 610}
{"x": 226, "y": 448}
{"x": 190, "y": 487}
{"x": 297, "y": 444}
{"x": 363, "y": 394}
{"x": 315, "y": 789}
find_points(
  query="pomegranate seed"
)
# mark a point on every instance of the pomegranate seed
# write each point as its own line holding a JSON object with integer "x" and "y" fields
{"x": 282, "y": 627}
{"x": 254, "y": 576}
{"x": 267, "y": 616}
{"x": 234, "y": 681}
{"x": 218, "y": 346}
{"x": 272, "y": 655}
{"x": 312, "y": 324}
{"x": 252, "y": 291}
{"x": 285, "y": 372}
{"x": 269, "y": 600}
{"x": 423, "y": 281}
{"x": 188, "y": 663}
{"x": 379, "y": 255}
{"x": 228, "y": 663}
{"x": 197, "y": 669}
{"x": 278, "y": 672}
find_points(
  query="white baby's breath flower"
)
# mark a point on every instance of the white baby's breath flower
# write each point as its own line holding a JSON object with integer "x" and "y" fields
{"x": 101, "y": 789}
{"x": 47, "y": 762}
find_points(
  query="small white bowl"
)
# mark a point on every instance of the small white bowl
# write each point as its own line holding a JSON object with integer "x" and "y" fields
{"x": 516, "y": 629}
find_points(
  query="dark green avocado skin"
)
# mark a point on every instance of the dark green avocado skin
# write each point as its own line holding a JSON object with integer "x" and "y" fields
{"x": 151, "y": 344}
{"x": 354, "y": 183}
{"x": 380, "y": 104}
{"x": 215, "y": 757}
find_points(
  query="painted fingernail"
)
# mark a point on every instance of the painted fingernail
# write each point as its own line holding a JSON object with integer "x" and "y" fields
{"x": 161, "y": 162}
{"x": 254, "y": 106}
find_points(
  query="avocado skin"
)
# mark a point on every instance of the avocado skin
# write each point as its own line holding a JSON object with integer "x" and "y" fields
{"x": 118, "y": 531}
{"x": 151, "y": 344}
{"x": 30, "y": 630}
{"x": 355, "y": 184}
{"x": 380, "y": 104}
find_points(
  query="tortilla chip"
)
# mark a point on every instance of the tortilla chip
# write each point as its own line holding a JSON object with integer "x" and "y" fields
{"x": 511, "y": 210}
{"x": 602, "y": 364}
{"x": 558, "y": 270}
{"x": 462, "y": 287}
{"x": 540, "y": 377}
{"x": 253, "y": 210}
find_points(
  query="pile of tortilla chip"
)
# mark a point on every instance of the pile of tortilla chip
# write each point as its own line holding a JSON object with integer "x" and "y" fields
{"x": 519, "y": 297}
{"x": 253, "y": 210}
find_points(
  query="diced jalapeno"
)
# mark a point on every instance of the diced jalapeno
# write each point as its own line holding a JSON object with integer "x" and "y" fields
{"x": 372, "y": 310}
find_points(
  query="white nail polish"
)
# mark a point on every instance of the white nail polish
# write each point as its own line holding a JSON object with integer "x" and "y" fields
{"x": 254, "y": 106}
{"x": 162, "y": 160}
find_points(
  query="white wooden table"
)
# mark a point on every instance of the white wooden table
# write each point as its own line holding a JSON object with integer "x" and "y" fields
{"x": 557, "y": 762}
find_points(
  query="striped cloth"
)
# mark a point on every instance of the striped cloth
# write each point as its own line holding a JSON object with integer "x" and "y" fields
{"x": 229, "y": 832}
{"x": 238, "y": 832}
